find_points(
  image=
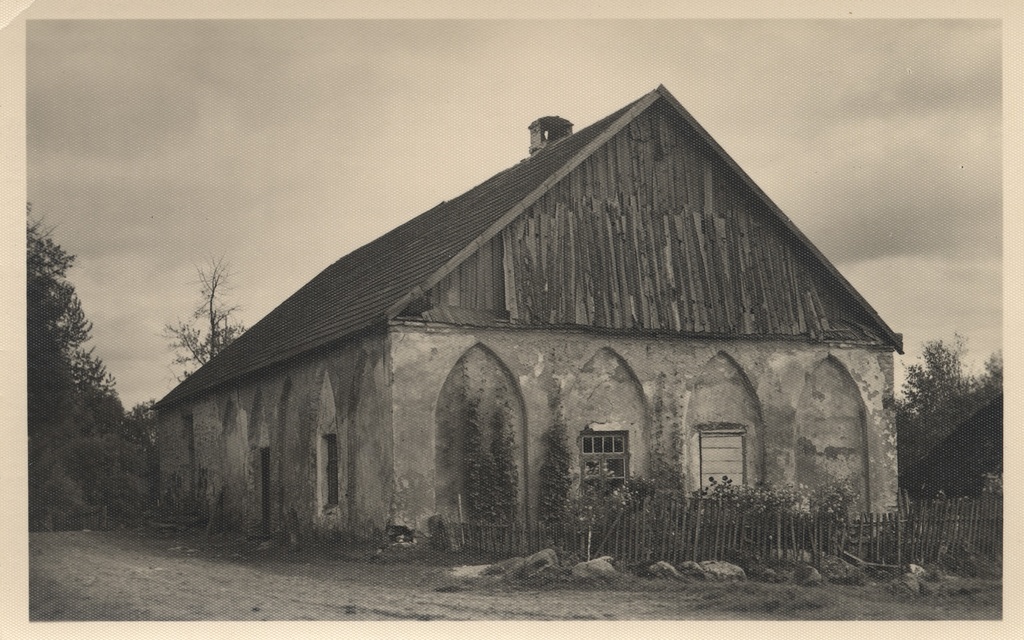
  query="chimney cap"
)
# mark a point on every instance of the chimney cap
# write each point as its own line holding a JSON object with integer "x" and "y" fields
{"x": 548, "y": 129}
{"x": 551, "y": 122}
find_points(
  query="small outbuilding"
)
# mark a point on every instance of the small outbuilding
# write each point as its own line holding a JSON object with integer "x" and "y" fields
{"x": 967, "y": 462}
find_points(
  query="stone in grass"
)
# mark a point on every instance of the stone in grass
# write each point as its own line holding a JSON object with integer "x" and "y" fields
{"x": 838, "y": 571}
{"x": 692, "y": 570}
{"x": 510, "y": 566}
{"x": 907, "y": 583}
{"x": 663, "y": 569}
{"x": 534, "y": 564}
{"x": 772, "y": 576}
{"x": 720, "y": 571}
{"x": 806, "y": 575}
{"x": 596, "y": 568}
{"x": 469, "y": 571}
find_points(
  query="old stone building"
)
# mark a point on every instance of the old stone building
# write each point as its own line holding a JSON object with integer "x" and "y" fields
{"x": 628, "y": 282}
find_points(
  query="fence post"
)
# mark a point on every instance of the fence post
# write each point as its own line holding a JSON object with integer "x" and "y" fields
{"x": 899, "y": 538}
{"x": 698, "y": 520}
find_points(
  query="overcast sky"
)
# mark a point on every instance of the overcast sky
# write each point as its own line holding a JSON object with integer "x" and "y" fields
{"x": 283, "y": 145}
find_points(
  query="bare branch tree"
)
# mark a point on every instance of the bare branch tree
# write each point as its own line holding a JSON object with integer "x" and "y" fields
{"x": 210, "y": 328}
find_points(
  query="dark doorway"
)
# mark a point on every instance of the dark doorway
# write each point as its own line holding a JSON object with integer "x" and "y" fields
{"x": 265, "y": 489}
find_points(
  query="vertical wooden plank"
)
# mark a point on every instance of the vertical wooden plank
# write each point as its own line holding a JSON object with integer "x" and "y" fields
{"x": 601, "y": 281}
{"x": 511, "y": 301}
{"x": 703, "y": 271}
{"x": 708, "y": 236}
{"x": 687, "y": 275}
{"x": 485, "y": 288}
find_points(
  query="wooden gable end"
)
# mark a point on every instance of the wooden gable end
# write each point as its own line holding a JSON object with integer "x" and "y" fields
{"x": 653, "y": 231}
{"x": 474, "y": 291}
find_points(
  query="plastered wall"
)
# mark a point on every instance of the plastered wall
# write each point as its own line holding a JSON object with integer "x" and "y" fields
{"x": 344, "y": 392}
{"x": 808, "y": 409}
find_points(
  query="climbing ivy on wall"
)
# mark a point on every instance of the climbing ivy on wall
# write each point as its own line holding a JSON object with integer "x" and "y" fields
{"x": 504, "y": 478}
{"x": 555, "y": 475}
{"x": 491, "y": 487}
{"x": 475, "y": 464}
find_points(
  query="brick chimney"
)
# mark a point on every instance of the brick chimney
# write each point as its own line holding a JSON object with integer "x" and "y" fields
{"x": 546, "y": 130}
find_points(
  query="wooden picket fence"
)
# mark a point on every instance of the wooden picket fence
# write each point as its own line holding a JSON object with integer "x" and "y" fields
{"x": 697, "y": 529}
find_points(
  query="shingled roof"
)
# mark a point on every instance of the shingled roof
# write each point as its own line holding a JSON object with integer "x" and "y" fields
{"x": 377, "y": 281}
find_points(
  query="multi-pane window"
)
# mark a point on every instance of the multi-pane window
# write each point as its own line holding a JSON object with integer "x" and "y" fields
{"x": 721, "y": 456}
{"x": 604, "y": 456}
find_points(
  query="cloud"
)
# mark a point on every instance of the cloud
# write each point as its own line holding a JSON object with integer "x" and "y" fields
{"x": 933, "y": 298}
{"x": 283, "y": 145}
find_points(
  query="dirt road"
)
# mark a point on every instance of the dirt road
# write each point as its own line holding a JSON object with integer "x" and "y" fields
{"x": 147, "y": 576}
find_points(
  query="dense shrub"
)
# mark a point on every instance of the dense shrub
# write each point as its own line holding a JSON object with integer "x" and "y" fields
{"x": 90, "y": 475}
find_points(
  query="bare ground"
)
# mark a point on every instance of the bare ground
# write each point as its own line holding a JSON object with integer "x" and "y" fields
{"x": 146, "y": 575}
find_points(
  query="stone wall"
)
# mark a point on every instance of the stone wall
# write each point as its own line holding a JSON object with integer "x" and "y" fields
{"x": 808, "y": 411}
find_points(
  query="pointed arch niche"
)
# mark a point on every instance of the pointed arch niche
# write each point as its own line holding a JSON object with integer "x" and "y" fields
{"x": 330, "y": 468}
{"x": 258, "y": 474}
{"x": 233, "y": 446}
{"x": 831, "y": 430}
{"x": 608, "y": 397}
{"x": 724, "y": 420}
{"x": 480, "y": 403}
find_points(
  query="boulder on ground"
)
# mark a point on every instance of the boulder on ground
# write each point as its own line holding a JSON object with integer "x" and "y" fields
{"x": 806, "y": 575}
{"x": 596, "y": 568}
{"x": 907, "y": 583}
{"x": 720, "y": 570}
{"x": 663, "y": 569}
{"x": 693, "y": 570}
{"x": 838, "y": 571}
{"x": 469, "y": 571}
{"x": 536, "y": 563}
{"x": 508, "y": 566}
{"x": 762, "y": 573}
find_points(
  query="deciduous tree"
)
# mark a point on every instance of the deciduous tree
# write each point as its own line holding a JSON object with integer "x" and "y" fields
{"x": 938, "y": 394}
{"x": 211, "y": 326}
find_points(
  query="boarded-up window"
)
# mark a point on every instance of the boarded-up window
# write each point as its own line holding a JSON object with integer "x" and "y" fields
{"x": 604, "y": 456}
{"x": 721, "y": 457}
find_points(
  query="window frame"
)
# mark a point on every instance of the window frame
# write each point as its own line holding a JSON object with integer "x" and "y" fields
{"x": 711, "y": 432}
{"x": 602, "y": 457}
